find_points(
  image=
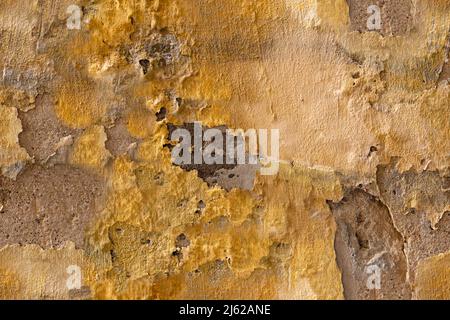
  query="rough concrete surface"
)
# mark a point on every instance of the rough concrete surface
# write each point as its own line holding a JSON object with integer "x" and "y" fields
{"x": 92, "y": 90}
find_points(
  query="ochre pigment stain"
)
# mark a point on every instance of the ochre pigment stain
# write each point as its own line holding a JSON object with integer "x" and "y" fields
{"x": 91, "y": 201}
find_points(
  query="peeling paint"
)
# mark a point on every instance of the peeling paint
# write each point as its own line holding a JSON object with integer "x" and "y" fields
{"x": 88, "y": 184}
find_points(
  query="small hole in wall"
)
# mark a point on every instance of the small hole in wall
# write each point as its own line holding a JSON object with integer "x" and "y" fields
{"x": 182, "y": 203}
{"x": 159, "y": 178}
{"x": 182, "y": 241}
{"x": 200, "y": 206}
{"x": 178, "y": 254}
{"x": 363, "y": 243}
{"x": 144, "y": 64}
{"x": 161, "y": 114}
{"x": 113, "y": 255}
{"x": 372, "y": 150}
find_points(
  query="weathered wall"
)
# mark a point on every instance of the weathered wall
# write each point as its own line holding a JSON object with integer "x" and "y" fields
{"x": 86, "y": 172}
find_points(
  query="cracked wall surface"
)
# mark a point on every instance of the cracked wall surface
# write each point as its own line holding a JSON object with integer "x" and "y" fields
{"x": 360, "y": 206}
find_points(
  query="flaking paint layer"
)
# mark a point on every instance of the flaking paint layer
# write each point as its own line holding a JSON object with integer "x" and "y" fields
{"x": 363, "y": 118}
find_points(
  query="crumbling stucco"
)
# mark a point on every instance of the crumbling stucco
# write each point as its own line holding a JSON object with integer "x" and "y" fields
{"x": 87, "y": 180}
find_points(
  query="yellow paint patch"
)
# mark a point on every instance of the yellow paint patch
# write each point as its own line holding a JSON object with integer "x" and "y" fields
{"x": 12, "y": 156}
{"x": 433, "y": 278}
{"x": 89, "y": 149}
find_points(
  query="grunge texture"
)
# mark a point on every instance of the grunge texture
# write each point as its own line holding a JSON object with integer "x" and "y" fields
{"x": 86, "y": 177}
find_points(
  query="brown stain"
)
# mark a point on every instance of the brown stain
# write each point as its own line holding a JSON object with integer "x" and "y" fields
{"x": 41, "y": 130}
{"x": 366, "y": 236}
{"x": 414, "y": 198}
{"x": 49, "y": 206}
